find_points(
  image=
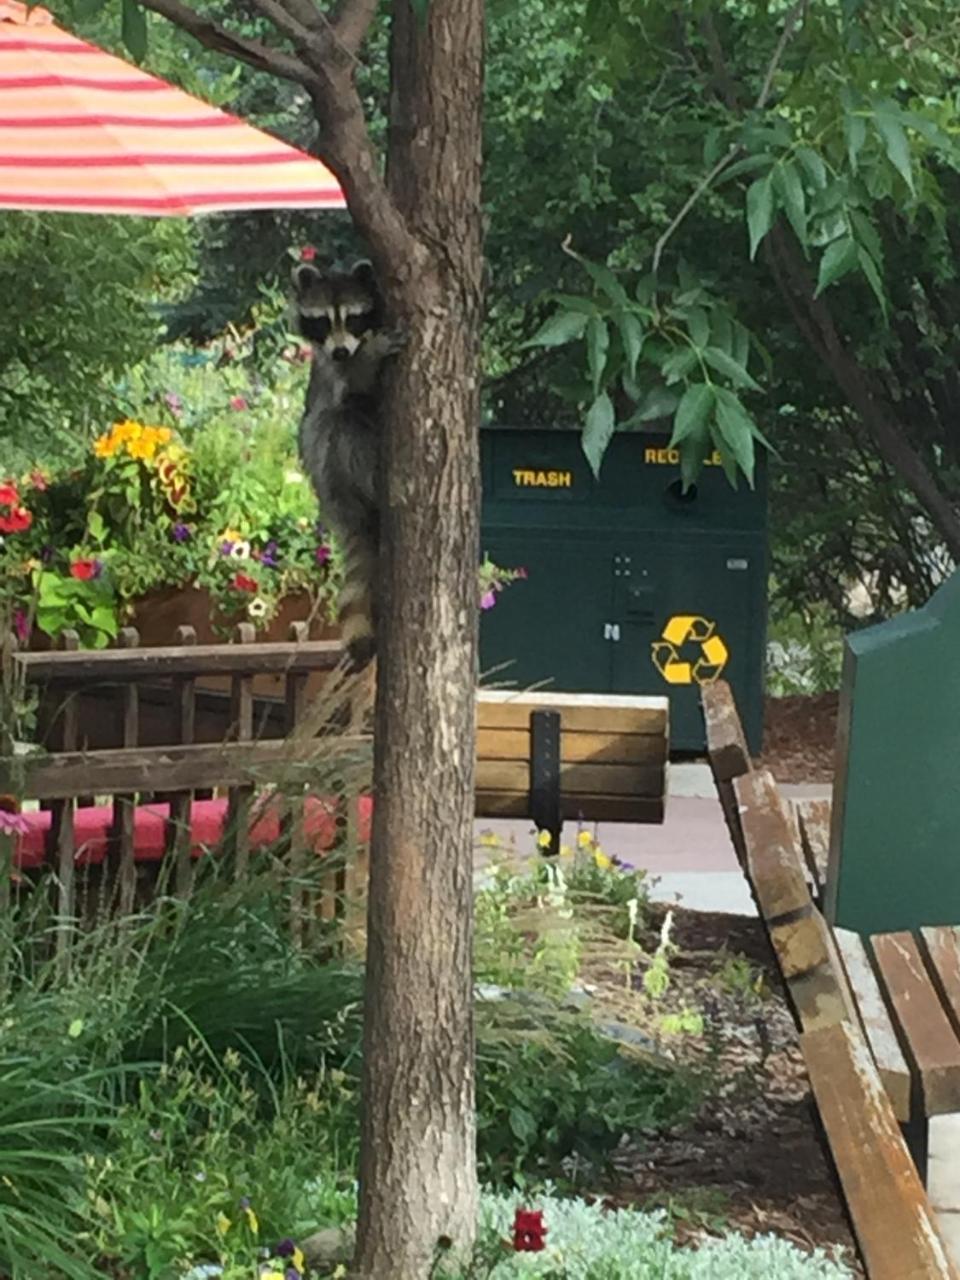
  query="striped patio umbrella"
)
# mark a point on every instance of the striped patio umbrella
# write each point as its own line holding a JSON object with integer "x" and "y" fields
{"x": 82, "y": 131}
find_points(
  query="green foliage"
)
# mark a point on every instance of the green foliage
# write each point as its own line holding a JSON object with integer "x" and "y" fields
{"x": 554, "y": 1094}
{"x": 83, "y": 315}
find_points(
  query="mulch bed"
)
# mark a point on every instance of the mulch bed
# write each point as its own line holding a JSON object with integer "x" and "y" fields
{"x": 753, "y": 1158}
{"x": 799, "y": 734}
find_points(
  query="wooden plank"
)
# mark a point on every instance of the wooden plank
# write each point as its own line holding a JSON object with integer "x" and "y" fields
{"x": 576, "y": 747}
{"x": 168, "y": 661}
{"x": 875, "y": 1020}
{"x": 589, "y": 808}
{"x": 292, "y": 823}
{"x": 929, "y": 1039}
{"x": 240, "y": 798}
{"x": 575, "y": 779}
{"x": 121, "y": 869}
{"x": 64, "y": 774}
{"x": 62, "y": 832}
{"x": 813, "y": 820}
{"x": 587, "y": 712}
{"x": 773, "y": 859}
{"x": 894, "y": 1224}
{"x": 800, "y": 943}
{"x": 185, "y": 714}
{"x": 942, "y": 948}
{"x": 726, "y": 741}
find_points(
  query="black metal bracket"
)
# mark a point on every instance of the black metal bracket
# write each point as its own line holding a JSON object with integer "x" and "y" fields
{"x": 545, "y": 776}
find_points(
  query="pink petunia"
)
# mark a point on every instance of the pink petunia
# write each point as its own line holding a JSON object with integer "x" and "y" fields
{"x": 13, "y": 824}
{"x": 488, "y": 600}
{"x": 238, "y": 403}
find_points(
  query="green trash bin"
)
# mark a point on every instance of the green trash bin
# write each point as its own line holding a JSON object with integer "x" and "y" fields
{"x": 632, "y": 586}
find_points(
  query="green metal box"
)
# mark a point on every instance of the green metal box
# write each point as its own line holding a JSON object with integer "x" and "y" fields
{"x": 632, "y": 587}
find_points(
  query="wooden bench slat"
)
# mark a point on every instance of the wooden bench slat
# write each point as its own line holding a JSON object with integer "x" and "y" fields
{"x": 942, "y": 945}
{"x": 84, "y": 665}
{"x": 894, "y": 1224}
{"x": 930, "y": 1040}
{"x": 589, "y": 808}
{"x": 726, "y": 742}
{"x": 772, "y": 856}
{"x": 585, "y": 712}
{"x": 875, "y": 1021}
{"x": 813, "y": 821}
{"x": 576, "y": 747}
{"x": 575, "y": 779}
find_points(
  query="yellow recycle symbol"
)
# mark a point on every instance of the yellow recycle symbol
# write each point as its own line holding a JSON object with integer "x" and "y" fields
{"x": 677, "y": 632}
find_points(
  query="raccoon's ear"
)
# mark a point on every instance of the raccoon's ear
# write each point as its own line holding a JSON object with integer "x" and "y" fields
{"x": 363, "y": 271}
{"x": 303, "y": 275}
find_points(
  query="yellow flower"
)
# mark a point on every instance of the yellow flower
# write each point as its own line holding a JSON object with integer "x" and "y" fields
{"x": 223, "y": 1224}
{"x": 271, "y": 1275}
{"x": 601, "y": 859}
{"x": 566, "y": 851}
{"x": 253, "y": 1223}
{"x": 298, "y": 1259}
{"x": 585, "y": 840}
{"x": 126, "y": 430}
{"x": 105, "y": 446}
{"x": 230, "y": 535}
{"x": 142, "y": 447}
{"x": 490, "y": 840}
{"x": 544, "y": 840}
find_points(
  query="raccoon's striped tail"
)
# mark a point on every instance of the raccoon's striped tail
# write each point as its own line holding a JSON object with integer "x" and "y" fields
{"x": 357, "y": 612}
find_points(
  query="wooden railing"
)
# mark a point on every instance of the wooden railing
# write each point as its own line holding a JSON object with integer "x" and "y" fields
{"x": 164, "y": 727}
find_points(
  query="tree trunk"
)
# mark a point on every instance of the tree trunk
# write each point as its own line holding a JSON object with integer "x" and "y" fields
{"x": 418, "y": 1186}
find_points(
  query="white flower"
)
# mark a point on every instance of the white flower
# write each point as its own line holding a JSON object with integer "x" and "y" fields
{"x": 240, "y": 551}
{"x": 292, "y": 477}
{"x": 257, "y": 608}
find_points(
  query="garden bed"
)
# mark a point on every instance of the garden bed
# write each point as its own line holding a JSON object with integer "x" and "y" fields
{"x": 752, "y": 1159}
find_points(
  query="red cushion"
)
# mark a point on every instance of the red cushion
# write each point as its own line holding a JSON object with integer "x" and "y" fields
{"x": 207, "y": 818}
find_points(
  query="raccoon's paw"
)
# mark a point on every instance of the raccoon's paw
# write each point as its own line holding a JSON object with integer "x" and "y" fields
{"x": 391, "y": 342}
{"x": 360, "y": 653}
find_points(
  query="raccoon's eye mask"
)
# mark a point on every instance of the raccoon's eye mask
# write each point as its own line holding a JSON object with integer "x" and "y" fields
{"x": 316, "y": 328}
{"x": 359, "y": 325}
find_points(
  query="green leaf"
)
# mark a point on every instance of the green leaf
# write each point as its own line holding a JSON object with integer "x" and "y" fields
{"x": 604, "y": 278}
{"x": 597, "y": 431}
{"x": 867, "y": 235}
{"x": 631, "y": 335}
{"x": 736, "y": 430}
{"x": 749, "y": 164}
{"x": 698, "y": 325}
{"x": 658, "y": 403}
{"x": 895, "y": 141}
{"x": 573, "y": 302}
{"x": 838, "y": 259}
{"x": 75, "y": 1028}
{"x": 730, "y": 368}
{"x": 692, "y": 413}
{"x": 95, "y": 526}
{"x": 522, "y": 1124}
{"x": 855, "y": 132}
{"x": 104, "y": 619}
{"x": 759, "y": 211}
{"x": 598, "y": 345}
{"x": 813, "y": 164}
{"x": 133, "y": 29}
{"x": 564, "y": 327}
{"x": 677, "y": 365}
{"x": 869, "y": 269}
{"x": 789, "y": 187}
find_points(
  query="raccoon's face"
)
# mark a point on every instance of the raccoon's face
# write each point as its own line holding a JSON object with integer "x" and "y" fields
{"x": 337, "y": 310}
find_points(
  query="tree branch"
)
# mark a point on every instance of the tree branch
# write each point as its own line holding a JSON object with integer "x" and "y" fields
{"x": 722, "y": 72}
{"x": 216, "y": 37}
{"x": 352, "y": 21}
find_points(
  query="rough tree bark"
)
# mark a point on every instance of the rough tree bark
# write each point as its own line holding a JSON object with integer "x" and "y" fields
{"x": 422, "y": 225}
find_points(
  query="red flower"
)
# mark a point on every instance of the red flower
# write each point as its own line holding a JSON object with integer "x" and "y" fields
{"x": 529, "y": 1233}
{"x": 243, "y": 583}
{"x": 238, "y": 403}
{"x": 17, "y": 521}
{"x": 307, "y": 253}
{"x": 8, "y": 494}
{"x": 84, "y": 570}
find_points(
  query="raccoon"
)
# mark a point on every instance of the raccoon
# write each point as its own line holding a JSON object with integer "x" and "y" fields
{"x": 341, "y": 314}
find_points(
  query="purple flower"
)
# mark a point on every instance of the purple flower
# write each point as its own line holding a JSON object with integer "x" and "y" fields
{"x": 226, "y": 547}
{"x": 521, "y": 573}
{"x": 624, "y": 866}
{"x": 181, "y": 532}
{"x": 46, "y": 554}
{"x": 286, "y": 1248}
{"x": 488, "y": 600}
{"x": 269, "y": 556}
{"x": 173, "y": 402}
{"x": 292, "y": 1273}
{"x": 244, "y": 1202}
{"x": 13, "y": 824}
{"x": 323, "y": 554}
{"x": 21, "y": 625}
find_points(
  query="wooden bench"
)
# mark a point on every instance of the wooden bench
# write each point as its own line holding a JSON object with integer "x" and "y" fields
{"x": 879, "y": 1039}
{"x": 554, "y": 756}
